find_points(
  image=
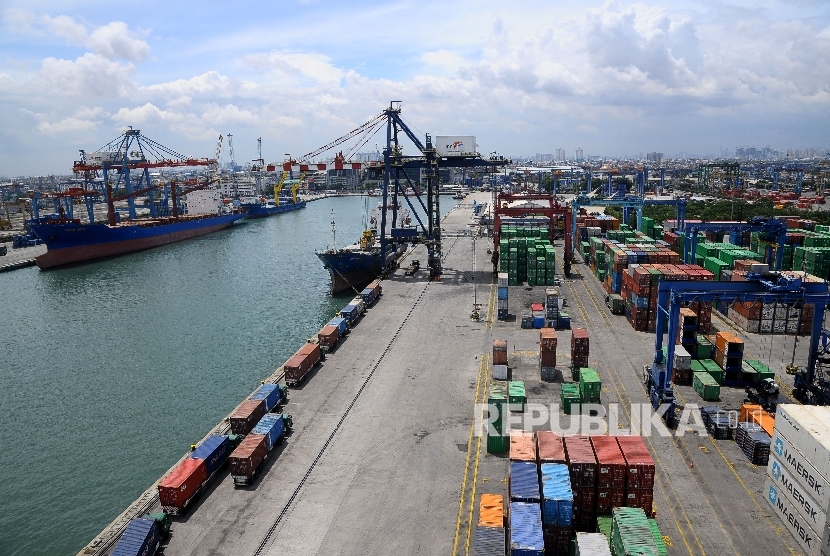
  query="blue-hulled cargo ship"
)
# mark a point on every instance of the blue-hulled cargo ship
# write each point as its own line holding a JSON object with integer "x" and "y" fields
{"x": 260, "y": 208}
{"x": 356, "y": 265}
{"x": 69, "y": 241}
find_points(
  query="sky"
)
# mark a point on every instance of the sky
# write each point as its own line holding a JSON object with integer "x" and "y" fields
{"x": 614, "y": 78}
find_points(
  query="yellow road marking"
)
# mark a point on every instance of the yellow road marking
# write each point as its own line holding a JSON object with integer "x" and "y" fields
{"x": 481, "y": 367}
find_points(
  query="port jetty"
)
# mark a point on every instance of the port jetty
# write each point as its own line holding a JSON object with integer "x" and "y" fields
{"x": 384, "y": 457}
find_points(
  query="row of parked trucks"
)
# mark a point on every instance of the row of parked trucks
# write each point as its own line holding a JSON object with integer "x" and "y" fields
{"x": 257, "y": 427}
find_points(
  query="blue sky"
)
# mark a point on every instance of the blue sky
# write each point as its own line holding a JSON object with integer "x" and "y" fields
{"x": 615, "y": 78}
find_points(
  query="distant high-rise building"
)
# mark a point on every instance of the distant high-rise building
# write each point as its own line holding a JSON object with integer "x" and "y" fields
{"x": 560, "y": 155}
{"x": 579, "y": 156}
{"x": 654, "y": 157}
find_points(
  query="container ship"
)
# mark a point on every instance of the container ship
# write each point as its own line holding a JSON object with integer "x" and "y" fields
{"x": 69, "y": 241}
{"x": 357, "y": 264}
{"x": 262, "y": 207}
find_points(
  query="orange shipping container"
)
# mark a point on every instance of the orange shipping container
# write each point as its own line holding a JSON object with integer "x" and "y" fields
{"x": 547, "y": 339}
{"x": 491, "y": 511}
{"x": 522, "y": 446}
{"x": 746, "y": 409}
{"x": 764, "y": 419}
{"x": 499, "y": 352}
{"x": 724, "y": 338}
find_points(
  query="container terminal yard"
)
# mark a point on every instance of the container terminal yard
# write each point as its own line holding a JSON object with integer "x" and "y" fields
{"x": 383, "y": 458}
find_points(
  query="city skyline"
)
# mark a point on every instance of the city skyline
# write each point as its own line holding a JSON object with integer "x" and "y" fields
{"x": 614, "y": 78}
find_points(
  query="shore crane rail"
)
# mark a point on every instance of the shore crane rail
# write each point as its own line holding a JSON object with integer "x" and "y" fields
{"x": 784, "y": 288}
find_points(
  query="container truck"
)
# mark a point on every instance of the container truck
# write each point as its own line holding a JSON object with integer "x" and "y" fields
{"x": 327, "y": 338}
{"x": 142, "y": 536}
{"x": 248, "y": 457}
{"x": 301, "y": 363}
{"x": 272, "y": 396}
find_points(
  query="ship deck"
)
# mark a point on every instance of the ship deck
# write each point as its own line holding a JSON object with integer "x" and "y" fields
{"x": 383, "y": 461}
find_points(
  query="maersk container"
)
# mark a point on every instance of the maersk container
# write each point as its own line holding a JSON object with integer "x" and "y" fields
{"x": 351, "y": 313}
{"x": 181, "y": 485}
{"x": 270, "y": 394}
{"x": 785, "y": 456}
{"x": 246, "y": 459}
{"x": 809, "y": 508}
{"x": 246, "y": 416}
{"x": 524, "y": 482}
{"x": 807, "y": 429}
{"x": 784, "y": 507}
{"x": 341, "y": 324}
{"x": 271, "y": 427}
{"x": 214, "y": 451}
{"x": 557, "y": 495}
{"x": 140, "y": 538}
{"x": 526, "y": 530}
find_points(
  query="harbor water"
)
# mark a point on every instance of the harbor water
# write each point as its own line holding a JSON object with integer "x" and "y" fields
{"x": 110, "y": 370}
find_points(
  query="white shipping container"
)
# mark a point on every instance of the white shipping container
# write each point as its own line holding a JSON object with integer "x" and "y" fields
{"x": 592, "y": 544}
{"x": 786, "y": 511}
{"x": 682, "y": 359}
{"x": 803, "y": 502}
{"x": 503, "y": 279}
{"x": 807, "y": 428}
{"x": 454, "y": 145}
{"x": 204, "y": 201}
{"x": 785, "y": 456}
{"x": 499, "y": 372}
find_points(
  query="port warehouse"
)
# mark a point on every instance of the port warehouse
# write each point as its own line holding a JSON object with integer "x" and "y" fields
{"x": 699, "y": 510}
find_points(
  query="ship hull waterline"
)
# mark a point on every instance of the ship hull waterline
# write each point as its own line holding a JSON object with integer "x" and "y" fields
{"x": 264, "y": 212}
{"x": 354, "y": 269}
{"x": 103, "y": 241}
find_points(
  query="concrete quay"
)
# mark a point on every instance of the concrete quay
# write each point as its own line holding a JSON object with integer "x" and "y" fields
{"x": 384, "y": 459}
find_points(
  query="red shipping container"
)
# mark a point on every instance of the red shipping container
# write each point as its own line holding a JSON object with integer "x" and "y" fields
{"x": 246, "y": 416}
{"x": 547, "y": 359}
{"x": 604, "y": 501}
{"x": 610, "y": 462}
{"x": 547, "y": 340}
{"x": 584, "y": 501}
{"x": 537, "y": 307}
{"x": 301, "y": 363}
{"x": 557, "y": 539}
{"x": 582, "y": 463}
{"x": 181, "y": 484}
{"x": 247, "y": 457}
{"x": 328, "y": 336}
{"x": 639, "y": 463}
{"x": 499, "y": 352}
{"x": 550, "y": 448}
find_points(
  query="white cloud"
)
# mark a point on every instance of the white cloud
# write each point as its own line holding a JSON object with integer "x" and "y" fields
{"x": 145, "y": 114}
{"x": 67, "y": 125}
{"x": 297, "y": 66}
{"x": 113, "y": 40}
{"x": 91, "y": 75}
{"x": 228, "y": 115}
{"x": 208, "y": 84}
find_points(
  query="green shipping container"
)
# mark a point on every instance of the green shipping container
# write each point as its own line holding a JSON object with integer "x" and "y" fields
{"x": 516, "y": 395}
{"x": 706, "y": 387}
{"x": 713, "y": 369}
{"x": 631, "y": 534}
{"x": 604, "y": 527}
{"x": 658, "y": 537}
{"x": 569, "y": 396}
{"x": 498, "y": 444}
{"x": 704, "y": 348}
{"x": 590, "y": 386}
{"x": 697, "y": 366}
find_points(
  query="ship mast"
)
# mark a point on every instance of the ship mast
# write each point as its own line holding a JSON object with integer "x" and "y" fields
{"x": 333, "y": 232}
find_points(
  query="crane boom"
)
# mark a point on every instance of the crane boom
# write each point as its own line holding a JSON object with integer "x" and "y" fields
{"x": 353, "y": 133}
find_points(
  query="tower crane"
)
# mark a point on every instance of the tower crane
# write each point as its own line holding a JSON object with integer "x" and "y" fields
{"x": 234, "y": 186}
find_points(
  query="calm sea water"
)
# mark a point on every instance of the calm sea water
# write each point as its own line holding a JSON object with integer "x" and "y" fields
{"x": 109, "y": 371}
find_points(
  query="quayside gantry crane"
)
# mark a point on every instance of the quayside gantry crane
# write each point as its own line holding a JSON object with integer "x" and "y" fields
{"x": 398, "y": 171}
{"x": 130, "y": 152}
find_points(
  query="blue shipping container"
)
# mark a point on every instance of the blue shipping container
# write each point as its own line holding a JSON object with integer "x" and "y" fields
{"x": 141, "y": 537}
{"x": 526, "y": 530}
{"x": 502, "y": 293}
{"x": 489, "y": 541}
{"x": 557, "y": 495}
{"x": 270, "y": 393}
{"x": 539, "y": 322}
{"x": 214, "y": 450}
{"x": 524, "y": 482}
{"x": 271, "y": 426}
{"x": 340, "y": 323}
{"x": 368, "y": 295}
{"x": 350, "y": 313}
